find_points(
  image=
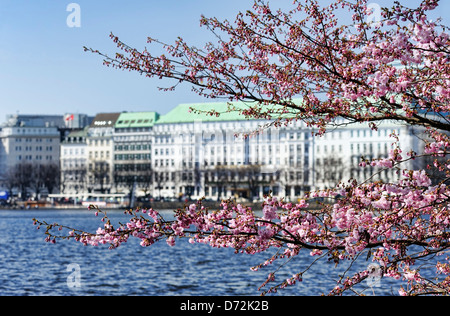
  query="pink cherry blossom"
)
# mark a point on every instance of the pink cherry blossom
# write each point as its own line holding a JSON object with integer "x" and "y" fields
{"x": 268, "y": 59}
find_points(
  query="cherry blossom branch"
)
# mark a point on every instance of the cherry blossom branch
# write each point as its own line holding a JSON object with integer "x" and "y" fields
{"x": 306, "y": 64}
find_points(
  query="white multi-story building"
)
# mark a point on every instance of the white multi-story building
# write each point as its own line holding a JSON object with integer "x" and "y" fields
{"x": 100, "y": 148}
{"x": 203, "y": 155}
{"x": 29, "y": 144}
{"x": 31, "y": 147}
{"x": 338, "y": 153}
{"x": 73, "y": 159}
{"x": 184, "y": 154}
{"x": 30, "y": 152}
{"x": 132, "y": 153}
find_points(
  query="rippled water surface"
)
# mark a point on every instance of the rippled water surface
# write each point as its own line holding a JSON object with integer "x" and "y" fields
{"x": 30, "y": 266}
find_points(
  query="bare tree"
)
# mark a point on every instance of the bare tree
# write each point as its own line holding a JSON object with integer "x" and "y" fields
{"x": 99, "y": 176}
{"x": 23, "y": 176}
{"x": 9, "y": 180}
{"x": 36, "y": 183}
{"x": 145, "y": 178}
{"x": 51, "y": 175}
{"x": 330, "y": 170}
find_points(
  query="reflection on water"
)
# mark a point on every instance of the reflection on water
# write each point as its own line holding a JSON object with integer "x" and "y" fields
{"x": 31, "y": 266}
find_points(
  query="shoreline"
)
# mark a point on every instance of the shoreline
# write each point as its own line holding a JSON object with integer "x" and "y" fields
{"x": 174, "y": 205}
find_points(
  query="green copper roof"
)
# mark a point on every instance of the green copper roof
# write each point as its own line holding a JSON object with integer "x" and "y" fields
{"x": 136, "y": 119}
{"x": 188, "y": 113}
{"x": 201, "y": 111}
{"x": 183, "y": 114}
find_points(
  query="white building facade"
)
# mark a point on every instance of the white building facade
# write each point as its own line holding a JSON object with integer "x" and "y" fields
{"x": 30, "y": 148}
{"x": 196, "y": 156}
{"x": 211, "y": 157}
{"x": 184, "y": 155}
{"x": 100, "y": 153}
{"x": 29, "y": 144}
{"x": 74, "y": 162}
{"x": 132, "y": 174}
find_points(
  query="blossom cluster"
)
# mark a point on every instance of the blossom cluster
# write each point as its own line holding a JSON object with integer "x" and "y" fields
{"x": 382, "y": 218}
{"x": 271, "y": 57}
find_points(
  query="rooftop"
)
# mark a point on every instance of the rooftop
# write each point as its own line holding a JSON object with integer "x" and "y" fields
{"x": 203, "y": 111}
{"x": 34, "y": 120}
{"x": 105, "y": 120}
{"x": 136, "y": 119}
{"x": 79, "y": 132}
{"x": 212, "y": 112}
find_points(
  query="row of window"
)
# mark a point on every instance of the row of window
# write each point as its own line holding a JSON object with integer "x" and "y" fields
{"x": 99, "y": 142}
{"x": 74, "y": 151}
{"x": 368, "y": 132}
{"x": 133, "y": 129}
{"x": 36, "y": 158}
{"x": 133, "y": 138}
{"x": 132, "y": 157}
{"x": 254, "y": 149}
{"x": 265, "y": 151}
{"x": 99, "y": 154}
{"x": 73, "y": 164}
{"x": 34, "y": 131}
{"x": 36, "y": 140}
{"x": 37, "y": 148}
{"x": 282, "y": 135}
{"x": 131, "y": 147}
{"x": 369, "y": 147}
{"x": 133, "y": 167}
{"x": 267, "y": 160}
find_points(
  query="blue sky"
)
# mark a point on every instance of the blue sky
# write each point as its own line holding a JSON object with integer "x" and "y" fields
{"x": 43, "y": 68}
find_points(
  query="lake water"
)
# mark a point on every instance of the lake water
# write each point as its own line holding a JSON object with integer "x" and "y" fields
{"x": 30, "y": 266}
